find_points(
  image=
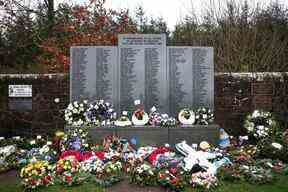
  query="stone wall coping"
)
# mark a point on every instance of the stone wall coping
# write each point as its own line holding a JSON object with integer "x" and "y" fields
{"x": 245, "y": 75}
{"x": 34, "y": 76}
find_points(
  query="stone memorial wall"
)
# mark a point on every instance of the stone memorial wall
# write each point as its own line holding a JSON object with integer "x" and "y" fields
{"x": 143, "y": 67}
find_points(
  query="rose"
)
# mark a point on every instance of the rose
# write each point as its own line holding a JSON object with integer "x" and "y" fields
{"x": 173, "y": 170}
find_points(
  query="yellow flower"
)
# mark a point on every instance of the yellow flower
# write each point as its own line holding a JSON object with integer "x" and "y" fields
{"x": 59, "y": 133}
{"x": 34, "y": 172}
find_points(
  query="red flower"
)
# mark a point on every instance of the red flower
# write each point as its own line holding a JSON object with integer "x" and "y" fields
{"x": 100, "y": 154}
{"x": 174, "y": 180}
{"x": 46, "y": 180}
{"x": 161, "y": 150}
{"x": 68, "y": 179}
{"x": 162, "y": 175}
{"x": 173, "y": 170}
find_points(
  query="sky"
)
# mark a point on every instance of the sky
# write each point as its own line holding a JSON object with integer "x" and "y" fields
{"x": 172, "y": 11}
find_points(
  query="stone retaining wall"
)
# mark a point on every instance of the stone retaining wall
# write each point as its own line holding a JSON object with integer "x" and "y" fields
{"x": 236, "y": 95}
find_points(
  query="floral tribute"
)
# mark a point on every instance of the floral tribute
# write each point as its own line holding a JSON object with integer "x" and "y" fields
{"x": 100, "y": 113}
{"x": 203, "y": 180}
{"x": 68, "y": 171}
{"x": 37, "y": 174}
{"x": 154, "y": 117}
{"x": 123, "y": 120}
{"x": 75, "y": 113}
{"x": 143, "y": 175}
{"x": 69, "y": 159}
{"x": 204, "y": 116}
{"x": 260, "y": 124}
{"x": 186, "y": 117}
{"x": 139, "y": 116}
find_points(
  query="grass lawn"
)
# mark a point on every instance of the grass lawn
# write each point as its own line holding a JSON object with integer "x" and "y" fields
{"x": 10, "y": 183}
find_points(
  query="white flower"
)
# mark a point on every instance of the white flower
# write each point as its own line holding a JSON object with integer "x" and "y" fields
{"x": 255, "y": 114}
{"x": 32, "y": 142}
{"x": 137, "y": 102}
{"x": 277, "y": 146}
{"x": 49, "y": 143}
{"x": 16, "y": 137}
{"x": 204, "y": 116}
{"x": 85, "y": 101}
{"x": 56, "y": 100}
{"x": 2, "y": 138}
{"x": 70, "y": 107}
{"x": 38, "y": 137}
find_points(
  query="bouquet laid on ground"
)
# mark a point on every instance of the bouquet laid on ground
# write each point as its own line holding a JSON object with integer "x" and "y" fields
{"x": 173, "y": 178}
{"x": 93, "y": 165}
{"x": 100, "y": 113}
{"x": 45, "y": 153}
{"x": 37, "y": 174}
{"x": 260, "y": 124}
{"x": 257, "y": 174}
{"x": 143, "y": 175}
{"x": 186, "y": 117}
{"x": 139, "y": 116}
{"x": 75, "y": 113}
{"x": 68, "y": 171}
{"x": 203, "y": 180}
{"x": 204, "y": 116}
{"x": 8, "y": 158}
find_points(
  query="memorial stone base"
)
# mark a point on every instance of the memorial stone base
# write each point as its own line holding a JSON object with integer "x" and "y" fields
{"x": 149, "y": 135}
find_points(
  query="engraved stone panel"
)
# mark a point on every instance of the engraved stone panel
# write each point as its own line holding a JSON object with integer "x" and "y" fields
{"x": 143, "y": 71}
{"x": 93, "y": 73}
{"x": 191, "y": 77}
{"x": 140, "y": 71}
{"x": 203, "y": 77}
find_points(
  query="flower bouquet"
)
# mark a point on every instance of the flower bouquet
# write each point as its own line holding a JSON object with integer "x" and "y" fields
{"x": 186, "y": 117}
{"x": 123, "y": 121}
{"x": 68, "y": 171}
{"x": 204, "y": 116}
{"x": 94, "y": 166}
{"x": 36, "y": 174}
{"x": 256, "y": 174}
{"x": 139, "y": 117}
{"x": 154, "y": 117}
{"x": 260, "y": 124}
{"x": 111, "y": 174}
{"x": 167, "y": 121}
{"x": 173, "y": 178}
{"x": 143, "y": 175}
{"x": 203, "y": 180}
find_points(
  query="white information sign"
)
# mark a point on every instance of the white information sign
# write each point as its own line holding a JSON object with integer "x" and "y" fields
{"x": 20, "y": 90}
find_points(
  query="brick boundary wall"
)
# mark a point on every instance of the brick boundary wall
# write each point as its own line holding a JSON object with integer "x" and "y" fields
{"x": 236, "y": 94}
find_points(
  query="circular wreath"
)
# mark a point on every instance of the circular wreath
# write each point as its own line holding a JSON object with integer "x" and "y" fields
{"x": 99, "y": 112}
{"x": 140, "y": 117}
{"x": 123, "y": 121}
{"x": 260, "y": 124}
{"x": 186, "y": 117}
{"x": 75, "y": 113}
{"x": 204, "y": 116}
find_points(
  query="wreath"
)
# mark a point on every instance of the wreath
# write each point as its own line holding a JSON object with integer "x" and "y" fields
{"x": 186, "y": 117}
